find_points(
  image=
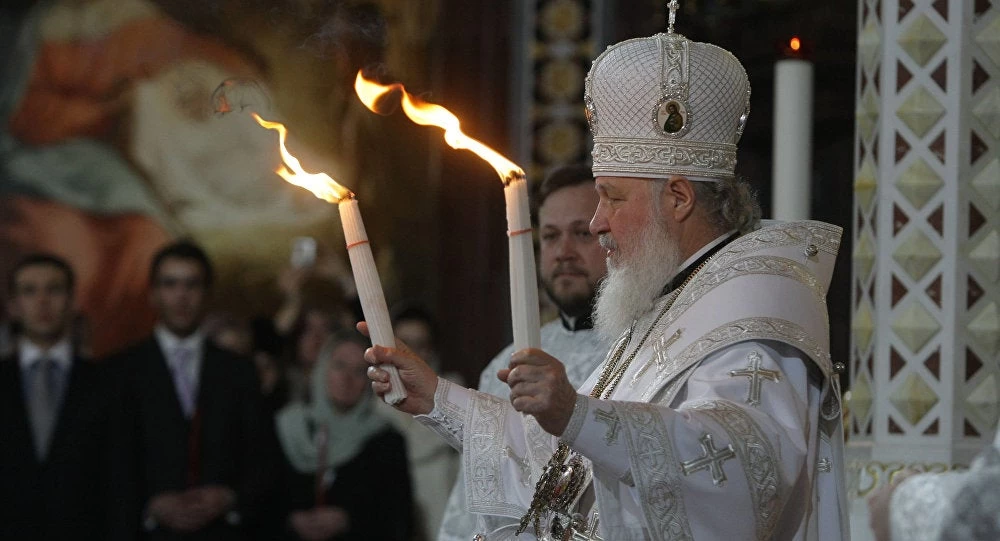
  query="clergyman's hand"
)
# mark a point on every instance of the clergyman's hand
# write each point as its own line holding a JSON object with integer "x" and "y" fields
{"x": 417, "y": 376}
{"x": 539, "y": 387}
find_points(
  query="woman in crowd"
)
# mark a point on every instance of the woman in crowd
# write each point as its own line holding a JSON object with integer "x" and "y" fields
{"x": 345, "y": 474}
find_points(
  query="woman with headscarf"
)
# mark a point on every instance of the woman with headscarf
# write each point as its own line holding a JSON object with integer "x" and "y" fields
{"x": 345, "y": 474}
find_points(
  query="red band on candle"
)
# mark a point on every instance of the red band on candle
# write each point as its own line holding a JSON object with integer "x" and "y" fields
{"x": 518, "y": 232}
{"x": 353, "y": 244}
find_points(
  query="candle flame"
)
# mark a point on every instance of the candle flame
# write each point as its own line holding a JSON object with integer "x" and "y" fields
{"x": 320, "y": 184}
{"x": 430, "y": 114}
{"x": 795, "y": 44}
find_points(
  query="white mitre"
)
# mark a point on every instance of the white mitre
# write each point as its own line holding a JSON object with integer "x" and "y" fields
{"x": 665, "y": 105}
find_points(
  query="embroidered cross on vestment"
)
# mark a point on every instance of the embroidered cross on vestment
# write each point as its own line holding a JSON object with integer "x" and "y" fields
{"x": 609, "y": 418}
{"x": 756, "y": 375}
{"x": 712, "y": 460}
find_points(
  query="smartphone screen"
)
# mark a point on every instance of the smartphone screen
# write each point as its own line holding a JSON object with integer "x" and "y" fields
{"x": 303, "y": 252}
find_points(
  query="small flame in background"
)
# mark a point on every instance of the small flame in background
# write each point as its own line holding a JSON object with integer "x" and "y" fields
{"x": 320, "y": 184}
{"x": 429, "y": 114}
{"x": 795, "y": 44}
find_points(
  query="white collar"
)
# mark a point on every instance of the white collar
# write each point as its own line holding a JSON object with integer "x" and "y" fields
{"x": 169, "y": 342}
{"x": 704, "y": 249}
{"x": 30, "y": 353}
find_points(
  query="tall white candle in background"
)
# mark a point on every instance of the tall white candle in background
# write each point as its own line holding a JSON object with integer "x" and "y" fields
{"x": 370, "y": 289}
{"x": 792, "y": 156}
{"x": 523, "y": 277}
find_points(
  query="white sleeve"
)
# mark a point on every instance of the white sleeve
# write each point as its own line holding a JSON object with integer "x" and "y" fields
{"x": 760, "y": 442}
{"x": 498, "y": 446}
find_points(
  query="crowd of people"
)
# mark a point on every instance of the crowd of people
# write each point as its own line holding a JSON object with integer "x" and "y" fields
{"x": 219, "y": 427}
{"x": 196, "y": 432}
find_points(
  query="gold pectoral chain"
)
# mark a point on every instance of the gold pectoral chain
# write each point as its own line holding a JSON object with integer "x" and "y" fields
{"x": 546, "y": 495}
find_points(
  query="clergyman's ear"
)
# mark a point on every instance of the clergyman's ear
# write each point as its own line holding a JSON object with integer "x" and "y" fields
{"x": 679, "y": 192}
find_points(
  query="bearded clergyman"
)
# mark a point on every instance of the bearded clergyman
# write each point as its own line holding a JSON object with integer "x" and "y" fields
{"x": 716, "y": 413}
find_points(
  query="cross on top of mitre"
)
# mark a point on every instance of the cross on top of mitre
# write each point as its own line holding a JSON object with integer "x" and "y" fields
{"x": 673, "y": 6}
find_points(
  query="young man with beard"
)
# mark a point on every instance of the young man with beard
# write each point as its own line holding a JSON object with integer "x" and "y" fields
{"x": 571, "y": 268}
{"x": 54, "y": 409}
{"x": 719, "y": 398}
{"x": 194, "y": 443}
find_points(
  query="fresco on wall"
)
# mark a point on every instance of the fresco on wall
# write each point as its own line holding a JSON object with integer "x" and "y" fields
{"x": 110, "y": 147}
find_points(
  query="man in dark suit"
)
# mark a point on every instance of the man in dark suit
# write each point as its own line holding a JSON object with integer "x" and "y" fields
{"x": 196, "y": 444}
{"x": 54, "y": 411}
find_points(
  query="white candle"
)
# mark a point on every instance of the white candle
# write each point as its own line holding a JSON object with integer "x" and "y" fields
{"x": 792, "y": 155}
{"x": 523, "y": 280}
{"x": 370, "y": 290}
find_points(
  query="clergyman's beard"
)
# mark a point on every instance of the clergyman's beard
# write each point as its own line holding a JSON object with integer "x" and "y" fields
{"x": 573, "y": 305}
{"x": 631, "y": 287}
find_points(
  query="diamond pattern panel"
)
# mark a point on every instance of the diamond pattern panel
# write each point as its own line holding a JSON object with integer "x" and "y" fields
{"x": 981, "y": 405}
{"x": 898, "y": 291}
{"x": 936, "y": 220}
{"x": 921, "y": 111}
{"x": 899, "y": 220}
{"x": 989, "y": 39}
{"x": 972, "y": 364}
{"x": 915, "y": 326}
{"x": 940, "y": 76}
{"x": 902, "y": 147}
{"x": 913, "y": 398}
{"x": 863, "y": 326}
{"x": 864, "y": 257}
{"x": 870, "y": 44}
{"x": 865, "y": 184}
{"x": 937, "y": 147}
{"x": 917, "y": 254}
{"x": 933, "y": 364}
{"x": 987, "y": 111}
{"x": 861, "y": 398}
{"x": 974, "y": 293}
{"x": 919, "y": 183}
{"x": 985, "y": 328}
{"x": 867, "y": 114}
{"x": 977, "y": 147}
{"x": 903, "y": 76}
{"x": 987, "y": 183}
{"x": 934, "y": 291}
{"x": 922, "y": 39}
{"x": 986, "y": 256}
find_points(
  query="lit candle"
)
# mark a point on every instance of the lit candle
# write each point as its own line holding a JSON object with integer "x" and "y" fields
{"x": 523, "y": 279}
{"x": 523, "y": 285}
{"x": 369, "y": 289}
{"x": 358, "y": 249}
{"x": 792, "y": 148}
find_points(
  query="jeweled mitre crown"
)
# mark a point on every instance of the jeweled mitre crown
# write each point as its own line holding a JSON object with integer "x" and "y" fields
{"x": 665, "y": 105}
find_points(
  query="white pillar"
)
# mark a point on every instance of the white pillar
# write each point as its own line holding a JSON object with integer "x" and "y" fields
{"x": 926, "y": 324}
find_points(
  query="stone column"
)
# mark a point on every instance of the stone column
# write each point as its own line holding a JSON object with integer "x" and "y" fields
{"x": 926, "y": 322}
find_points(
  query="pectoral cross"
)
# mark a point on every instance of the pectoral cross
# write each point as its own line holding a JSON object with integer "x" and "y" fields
{"x": 660, "y": 357}
{"x": 521, "y": 463}
{"x": 712, "y": 460}
{"x": 609, "y": 418}
{"x": 673, "y": 6}
{"x": 756, "y": 375}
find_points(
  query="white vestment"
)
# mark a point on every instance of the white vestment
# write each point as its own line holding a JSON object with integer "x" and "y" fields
{"x": 950, "y": 506}
{"x": 581, "y": 351}
{"x": 737, "y": 370}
